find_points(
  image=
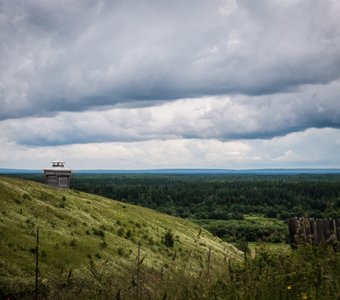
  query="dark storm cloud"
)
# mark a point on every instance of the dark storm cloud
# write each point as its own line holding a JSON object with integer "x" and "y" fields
{"x": 76, "y": 55}
{"x": 222, "y": 118}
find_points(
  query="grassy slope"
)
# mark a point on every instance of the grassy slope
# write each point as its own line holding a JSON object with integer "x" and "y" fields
{"x": 72, "y": 224}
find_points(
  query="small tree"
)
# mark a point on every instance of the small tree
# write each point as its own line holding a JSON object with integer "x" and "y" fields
{"x": 243, "y": 246}
{"x": 168, "y": 239}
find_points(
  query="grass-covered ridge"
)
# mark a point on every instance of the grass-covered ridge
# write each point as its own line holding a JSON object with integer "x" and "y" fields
{"x": 80, "y": 232}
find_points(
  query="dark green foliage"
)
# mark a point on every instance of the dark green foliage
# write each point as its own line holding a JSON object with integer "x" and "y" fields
{"x": 120, "y": 251}
{"x": 243, "y": 246}
{"x": 103, "y": 245}
{"x": 168, "y": 239}
{"x": 220, "y": 197}
{"x": 29, "y": 223}
{"x": 26, "y": 196}
{"x": 128, "y": 234}
{"x": 251, "y": 231}
{"x": 120, "y": 231}
{"x": 98, "y": 232}
{"x": 73, "y": 243}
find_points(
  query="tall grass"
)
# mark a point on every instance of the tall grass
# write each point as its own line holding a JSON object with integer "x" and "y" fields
{"x": 307, "y": 273}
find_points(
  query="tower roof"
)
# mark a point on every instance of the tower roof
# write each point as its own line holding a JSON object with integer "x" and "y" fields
{"x": 57, "y": 165}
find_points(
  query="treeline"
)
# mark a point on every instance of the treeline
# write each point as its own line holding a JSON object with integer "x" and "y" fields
{"x": 221, "y": 197}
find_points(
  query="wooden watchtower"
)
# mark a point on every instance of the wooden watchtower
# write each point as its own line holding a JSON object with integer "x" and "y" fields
{"x": 58, "y": 175}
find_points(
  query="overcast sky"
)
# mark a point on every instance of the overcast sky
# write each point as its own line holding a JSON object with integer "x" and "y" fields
{"x": 170, "y": 84}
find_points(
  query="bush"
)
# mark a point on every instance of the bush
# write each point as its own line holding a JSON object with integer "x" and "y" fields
{"x": 73, "y": 243}
{"x": 168, "y": 239}
{"x": 98, "y": 232}
{"x": 103, "y": 245}
{"x": 243, "y": 246}
{"x": 120, "y": 251}
{"x": 128, "y": 234}
{"x": 26, "y": 196}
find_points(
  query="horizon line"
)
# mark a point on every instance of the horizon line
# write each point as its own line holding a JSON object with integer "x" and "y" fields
{"x": 189, "y": 171}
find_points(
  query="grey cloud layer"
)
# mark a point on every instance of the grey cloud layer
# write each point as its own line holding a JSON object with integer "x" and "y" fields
{"x": 75, "y": 55}
{"x": 312, "y": 148}
{"x": 222, "y": 118}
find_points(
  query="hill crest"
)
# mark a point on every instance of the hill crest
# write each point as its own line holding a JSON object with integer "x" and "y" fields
{"x": 79, "y": 230}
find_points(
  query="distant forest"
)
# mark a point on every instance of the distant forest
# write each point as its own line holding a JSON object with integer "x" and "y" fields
{"x": 217, "y": 201}
{"x": 221, "y": 197}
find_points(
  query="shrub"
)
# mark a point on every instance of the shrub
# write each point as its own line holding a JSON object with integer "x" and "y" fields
{"x": 168, "y": 239}
{"x": 120, "y": 251}
{"x": 243, "y": 246}
{"x": 103, "y": 245}
{"x": 26, "y": 196}
{"x": 98, "y": 232}
{"x": 29, "y": 223}
{"x": 120, "y": 231}
{"x": 73, "y": 243}
{"x": 128, "y": 234}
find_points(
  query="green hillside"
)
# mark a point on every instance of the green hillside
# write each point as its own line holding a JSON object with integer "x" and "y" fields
{"x": 87, "y": 239}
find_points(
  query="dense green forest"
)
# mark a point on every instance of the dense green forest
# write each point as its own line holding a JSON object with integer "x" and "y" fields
{"x": 221, "y": 197}
{"x": 235, "y": 208}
